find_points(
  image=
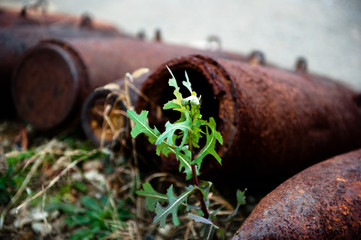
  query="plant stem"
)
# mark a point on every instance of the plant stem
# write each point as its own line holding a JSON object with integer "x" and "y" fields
{"x": 199, "y": 194}
{"x": 195, "y": 177}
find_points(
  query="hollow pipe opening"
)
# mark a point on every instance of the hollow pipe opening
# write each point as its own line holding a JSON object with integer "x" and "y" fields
{"x": 208, "y": 79}
{"x": 161, "y": 93}
{"x": 357, "y": 100}
{"x": 102, "y": 117}
{"x": 209, "y": 103}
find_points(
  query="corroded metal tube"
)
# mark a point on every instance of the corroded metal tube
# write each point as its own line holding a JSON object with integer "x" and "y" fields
{"x": 95, "y": 106}
{"x": 321, "y": 202}
{"x": 274, "y": 123}
{"x": 10, "y": 18}
{"x": 67, "y": 71}
{"x": 107, "y": 104}
{"x": 19, "y": 32}
{"x": 16, "y": 40}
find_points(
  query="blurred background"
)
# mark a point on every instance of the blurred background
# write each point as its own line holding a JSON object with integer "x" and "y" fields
{"x": 326, "y": 32}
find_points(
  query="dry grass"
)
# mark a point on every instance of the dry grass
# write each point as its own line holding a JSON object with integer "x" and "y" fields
{"x": 56, "y": 165}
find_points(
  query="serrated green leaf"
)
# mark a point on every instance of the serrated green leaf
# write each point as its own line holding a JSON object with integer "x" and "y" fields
{"x": 212, "y": 137}
{"x": 200, "y": 219}
{"x": 141, "y": 126}
{"x": 173, "y": 83}
{"x": 197, "y": 132}
{"x": 171, "y": 105}
{"x": 241, "y": 200}
{"x": 151, "y": 196}
{"x": 172, "y": 208}
{"x": 164, "y": 148}
{"x": 187, "y": 83}
{"x": 184, "y": 162}
{"x": 170, "y": 129}
{"x": 182, "y": 154}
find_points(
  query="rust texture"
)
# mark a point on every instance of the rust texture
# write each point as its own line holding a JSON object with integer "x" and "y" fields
{"x": 67, "y": 71}
{"x": 273, "y": 122}
{"x": 24, "y": 17}
{"x": 10, "y": 17}
{"x": 18, "y": 32}
{"x": 104, "y": 107}
{"x": 321, "y": 202}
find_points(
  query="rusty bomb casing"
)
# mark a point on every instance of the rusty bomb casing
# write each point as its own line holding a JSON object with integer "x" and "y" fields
{"x": 62, "y": 73}
{"x": 18, "y": 32}
{"x": 108, "y": 100}
{"x": 96, "y": 104}
{"x": 273, "y": 122}
{"x": 321, "y": 202}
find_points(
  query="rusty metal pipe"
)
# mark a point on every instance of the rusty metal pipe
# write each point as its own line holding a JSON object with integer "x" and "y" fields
{"x": 63, "y": 73}
{"x": 14, "y": 41}
{"x": 321, "y": 202}
{"x": 10, "y": 18}
{"x": 274, "y": 123}
{"x": 18, "y": 33}
{"x": 107, "y": 100}
{"x": 94, "y": 107}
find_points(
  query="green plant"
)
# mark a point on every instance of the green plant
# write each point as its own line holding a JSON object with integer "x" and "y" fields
{"x": 6, "y": 182}
{"x": 182, "y": 138}
{"x": 96, "y": 219}
{"x": 20, "y": 156}
{"x": 12, "y": 179}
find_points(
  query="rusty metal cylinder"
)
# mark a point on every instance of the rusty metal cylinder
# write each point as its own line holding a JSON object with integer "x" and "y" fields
{"x": 19, "y": 32}
{"x": 273, "y": 122}
{"x": 107, "y": 104}
{"x": 54, "y": 78}
{"x": 321, "y": 202}
{"x": 16, "y": 40}
{"x": 10, "y": 18}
